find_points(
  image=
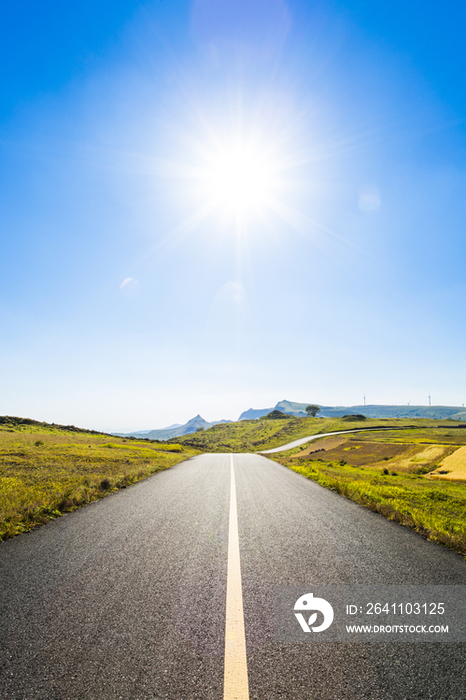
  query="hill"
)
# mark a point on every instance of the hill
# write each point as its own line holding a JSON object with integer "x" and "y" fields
{"x": 371, "y": 411}
{"x": 265, "y": 433}
{"x": 174, "y": 431}
{"x": 292, "y": 408}
{"x": 253, "y": 413}
{"x": 393, "y": 411}
{"x": 274, "y": 415}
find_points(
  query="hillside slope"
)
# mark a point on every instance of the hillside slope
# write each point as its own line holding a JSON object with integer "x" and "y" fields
{"x": 263, "y": 433}
{"x": 47, "y": 469}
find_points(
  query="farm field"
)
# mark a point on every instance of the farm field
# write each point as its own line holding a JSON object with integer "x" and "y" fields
{"x": 48, "y": 470}
{"x": 453, "y": 467}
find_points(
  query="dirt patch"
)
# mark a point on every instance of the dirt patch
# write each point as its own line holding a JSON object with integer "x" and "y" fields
{"x": 320, "y": 445}
{"x": 393, "y": 456}
{"x": 359, "y": 454}
{"x": 454, "y": 467}
{"x": 425, "y": 456}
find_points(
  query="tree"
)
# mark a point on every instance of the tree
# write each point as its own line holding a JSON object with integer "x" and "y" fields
{"x": 312, "y": 410}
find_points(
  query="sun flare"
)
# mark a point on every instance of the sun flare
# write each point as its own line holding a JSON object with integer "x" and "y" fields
{"x": 245, "y": 177}
{"x": 239, "y": 179}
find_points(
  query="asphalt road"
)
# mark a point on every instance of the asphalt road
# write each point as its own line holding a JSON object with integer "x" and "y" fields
{"x": 126, "y": 598}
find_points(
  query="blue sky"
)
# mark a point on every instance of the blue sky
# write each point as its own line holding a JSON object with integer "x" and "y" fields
{"x": 212, "y": 205}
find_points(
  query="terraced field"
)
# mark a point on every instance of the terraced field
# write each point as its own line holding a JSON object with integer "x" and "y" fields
{"x": 405, "y": 457}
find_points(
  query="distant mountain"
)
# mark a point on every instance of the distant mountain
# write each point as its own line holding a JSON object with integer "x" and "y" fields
{"x": 145, "y": 433}
{"x": 389, "y": 411}
{"x": 174, "y": 430}
{"x": 372, "y": 411}
{"x": 253, "y": 413}
{"x": 289, "y": 407}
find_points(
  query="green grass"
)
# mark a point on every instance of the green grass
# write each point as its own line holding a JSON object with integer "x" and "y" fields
{"x": 47, "y": 470}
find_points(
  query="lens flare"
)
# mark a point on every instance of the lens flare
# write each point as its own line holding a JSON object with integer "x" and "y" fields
{"x": 239, "y": 179}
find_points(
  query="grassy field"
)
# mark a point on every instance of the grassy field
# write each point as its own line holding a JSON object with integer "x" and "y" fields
{"x": 48, "y": 470}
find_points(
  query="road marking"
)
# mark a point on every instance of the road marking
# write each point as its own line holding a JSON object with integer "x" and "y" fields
{"x": 235, "y": 684}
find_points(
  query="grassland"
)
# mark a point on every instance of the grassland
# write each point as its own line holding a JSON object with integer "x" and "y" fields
{"x": 47, "y": 470}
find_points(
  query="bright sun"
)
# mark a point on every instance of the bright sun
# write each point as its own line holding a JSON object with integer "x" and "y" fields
{"x": 239, "y": 179}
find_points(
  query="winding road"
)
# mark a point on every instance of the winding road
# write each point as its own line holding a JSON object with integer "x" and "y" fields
{"x": 302, "y": 441}
{"x": 165, "y": 590}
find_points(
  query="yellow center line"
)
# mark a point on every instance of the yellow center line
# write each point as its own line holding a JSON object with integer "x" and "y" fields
{"x": 235, "y": 685}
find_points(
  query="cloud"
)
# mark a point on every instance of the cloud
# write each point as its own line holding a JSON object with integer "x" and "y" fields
{"x": 130, "y": 287}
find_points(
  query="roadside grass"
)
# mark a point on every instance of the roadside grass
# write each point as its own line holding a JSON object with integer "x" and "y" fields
{"x": 47, "y": 470}
{"x": 390, "y": 474}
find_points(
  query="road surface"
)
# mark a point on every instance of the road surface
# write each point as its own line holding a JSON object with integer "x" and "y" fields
{"x": 127, "y": 597}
